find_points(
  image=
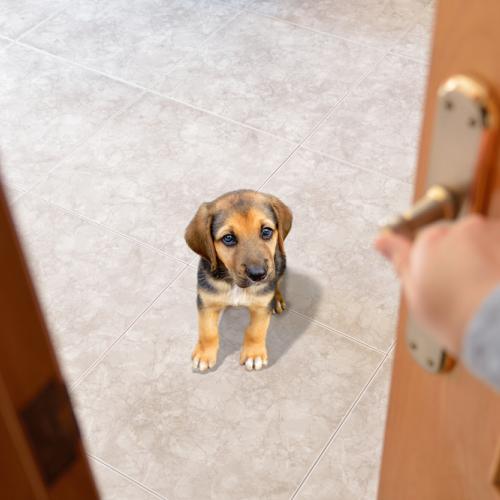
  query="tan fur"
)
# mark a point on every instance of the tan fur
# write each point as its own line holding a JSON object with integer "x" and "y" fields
{"x": 280, "y": 305}
{"x": 208, "y": 338}
{"x": 254, "y": 343}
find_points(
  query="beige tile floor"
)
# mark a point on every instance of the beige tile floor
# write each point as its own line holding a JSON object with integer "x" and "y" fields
{"x": 116, "y": 120}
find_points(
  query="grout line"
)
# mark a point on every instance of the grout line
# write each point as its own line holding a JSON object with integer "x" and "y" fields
{"x": 178, "y": 277}
{"x": 391, "y": 348}
{"x": 31, "y": 190}
{"x": 284, "y": 162}
{"x": 17, "y": 196}
{"x": 9, "y": 41}
{"x": 355, "y": 165}
{"x": 422, "y": 15}
{"x": 338, "y": 429}
{"x": 107, "y": 228}
{"x": 339, "y": 332}
{"x": 43, "y": 21}
{"x": 254, "y": 10}
{"x": 9, "y": 188}
{"x": 110, "y": 229}
{"x": 386, "y": 53}
{"x": 79, "y": 146}
{"x": 78, "y": 381}
{"x": 155, "y": 92}
{"x": 359, "y": 43}
{"x": 358, "y": 82}
{"x": 423, "y": 62}
{"x": 326, "y": 117}
{"x": 330, "y": 112}
{"x": 127, "y": 477}
{"x": 222, "y": 117}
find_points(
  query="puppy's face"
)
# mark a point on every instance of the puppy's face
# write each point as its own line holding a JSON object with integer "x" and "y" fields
{"x": 242, "y": 230}
{"x": 245, "y": 241}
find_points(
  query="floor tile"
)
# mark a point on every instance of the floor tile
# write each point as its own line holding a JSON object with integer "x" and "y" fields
{"x": 417, "y": 42}
{"x": 138, "y": 42}
{"x": 113, "y": 486}
{"x": 350, "y": 466}
{"x": 147, "y": 172}
{"x": 47, "y": 108}
{"x": 377, "y": 126}
{"x": 334, "y": 275}
{"x": 17, "y": 16}
{"x": 229, "y": 433}
{"x": 374, "y": 23}
{"x": 270, "y": 75}
{"x": 92, "y": 283}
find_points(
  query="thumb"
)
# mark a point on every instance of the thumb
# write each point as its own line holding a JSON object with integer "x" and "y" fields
{"x": 396, "y": 249}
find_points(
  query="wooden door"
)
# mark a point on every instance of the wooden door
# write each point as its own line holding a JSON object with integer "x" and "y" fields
{"x": 41, "y": 453}
{"x": 442, "y": 437}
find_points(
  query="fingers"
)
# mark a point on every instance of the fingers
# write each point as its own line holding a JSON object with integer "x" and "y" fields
{"x": 408, "y": 258}
{"x": 395, "y": 249}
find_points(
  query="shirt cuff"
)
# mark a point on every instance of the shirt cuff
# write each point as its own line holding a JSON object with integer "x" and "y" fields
{"x": 481, "y": 346}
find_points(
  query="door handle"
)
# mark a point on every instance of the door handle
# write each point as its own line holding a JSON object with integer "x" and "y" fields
{"x": 438, "y": 203}
{"x": 462, "y": 152}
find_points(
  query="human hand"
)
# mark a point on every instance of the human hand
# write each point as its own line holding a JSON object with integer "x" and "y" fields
{"x": 446, "y": 273}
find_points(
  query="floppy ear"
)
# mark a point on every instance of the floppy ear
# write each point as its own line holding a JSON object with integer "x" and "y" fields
{"x": 284, "y": 217}
{"x": 199, "y": 236}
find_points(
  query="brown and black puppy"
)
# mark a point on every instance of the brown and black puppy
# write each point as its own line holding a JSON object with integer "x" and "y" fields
{"x": 240, "y": 238}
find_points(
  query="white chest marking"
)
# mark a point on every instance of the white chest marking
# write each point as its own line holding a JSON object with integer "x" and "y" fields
{"x": 239, "y": 296}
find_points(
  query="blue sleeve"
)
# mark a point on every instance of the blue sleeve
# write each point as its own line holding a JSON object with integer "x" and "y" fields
{"x": 481, "y": 346}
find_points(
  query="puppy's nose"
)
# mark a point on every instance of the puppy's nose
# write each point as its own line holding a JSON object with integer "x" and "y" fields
{"x": 256, "y": 273}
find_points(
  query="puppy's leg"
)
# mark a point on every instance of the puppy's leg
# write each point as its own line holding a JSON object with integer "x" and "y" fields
{"x": 279, "y": 301}
{"x": 205, "y": 353}
{"x": 254, "y": 353}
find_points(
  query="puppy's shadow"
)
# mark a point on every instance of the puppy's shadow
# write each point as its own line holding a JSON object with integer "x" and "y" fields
{"x": 301, "y": 293}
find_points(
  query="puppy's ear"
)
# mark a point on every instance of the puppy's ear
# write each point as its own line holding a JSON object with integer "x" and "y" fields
{"x": 284, "y": 217}
{"x": 199, "y": 236}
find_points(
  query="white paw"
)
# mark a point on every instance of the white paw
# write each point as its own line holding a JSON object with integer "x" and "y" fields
{"x": 201, "y": 365}
{"x": 255, "y": 363}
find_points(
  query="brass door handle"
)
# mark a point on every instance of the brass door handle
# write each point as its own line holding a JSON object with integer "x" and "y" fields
{"x": 438, "y": 203}
{"x": 462, "y": 151}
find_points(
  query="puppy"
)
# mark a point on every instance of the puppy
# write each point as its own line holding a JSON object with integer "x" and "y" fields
{"x": 240, "y": 239}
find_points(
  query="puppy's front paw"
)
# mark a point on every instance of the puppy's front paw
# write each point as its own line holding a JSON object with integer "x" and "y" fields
{"x": 253, "y": 357}
{"x": 279, "y": 303}
{"x": 204, "y": 357}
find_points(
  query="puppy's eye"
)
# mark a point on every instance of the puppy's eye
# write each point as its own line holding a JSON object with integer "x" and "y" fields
{"x": 229, "y": 240}
{"x": 266, "y": 233}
